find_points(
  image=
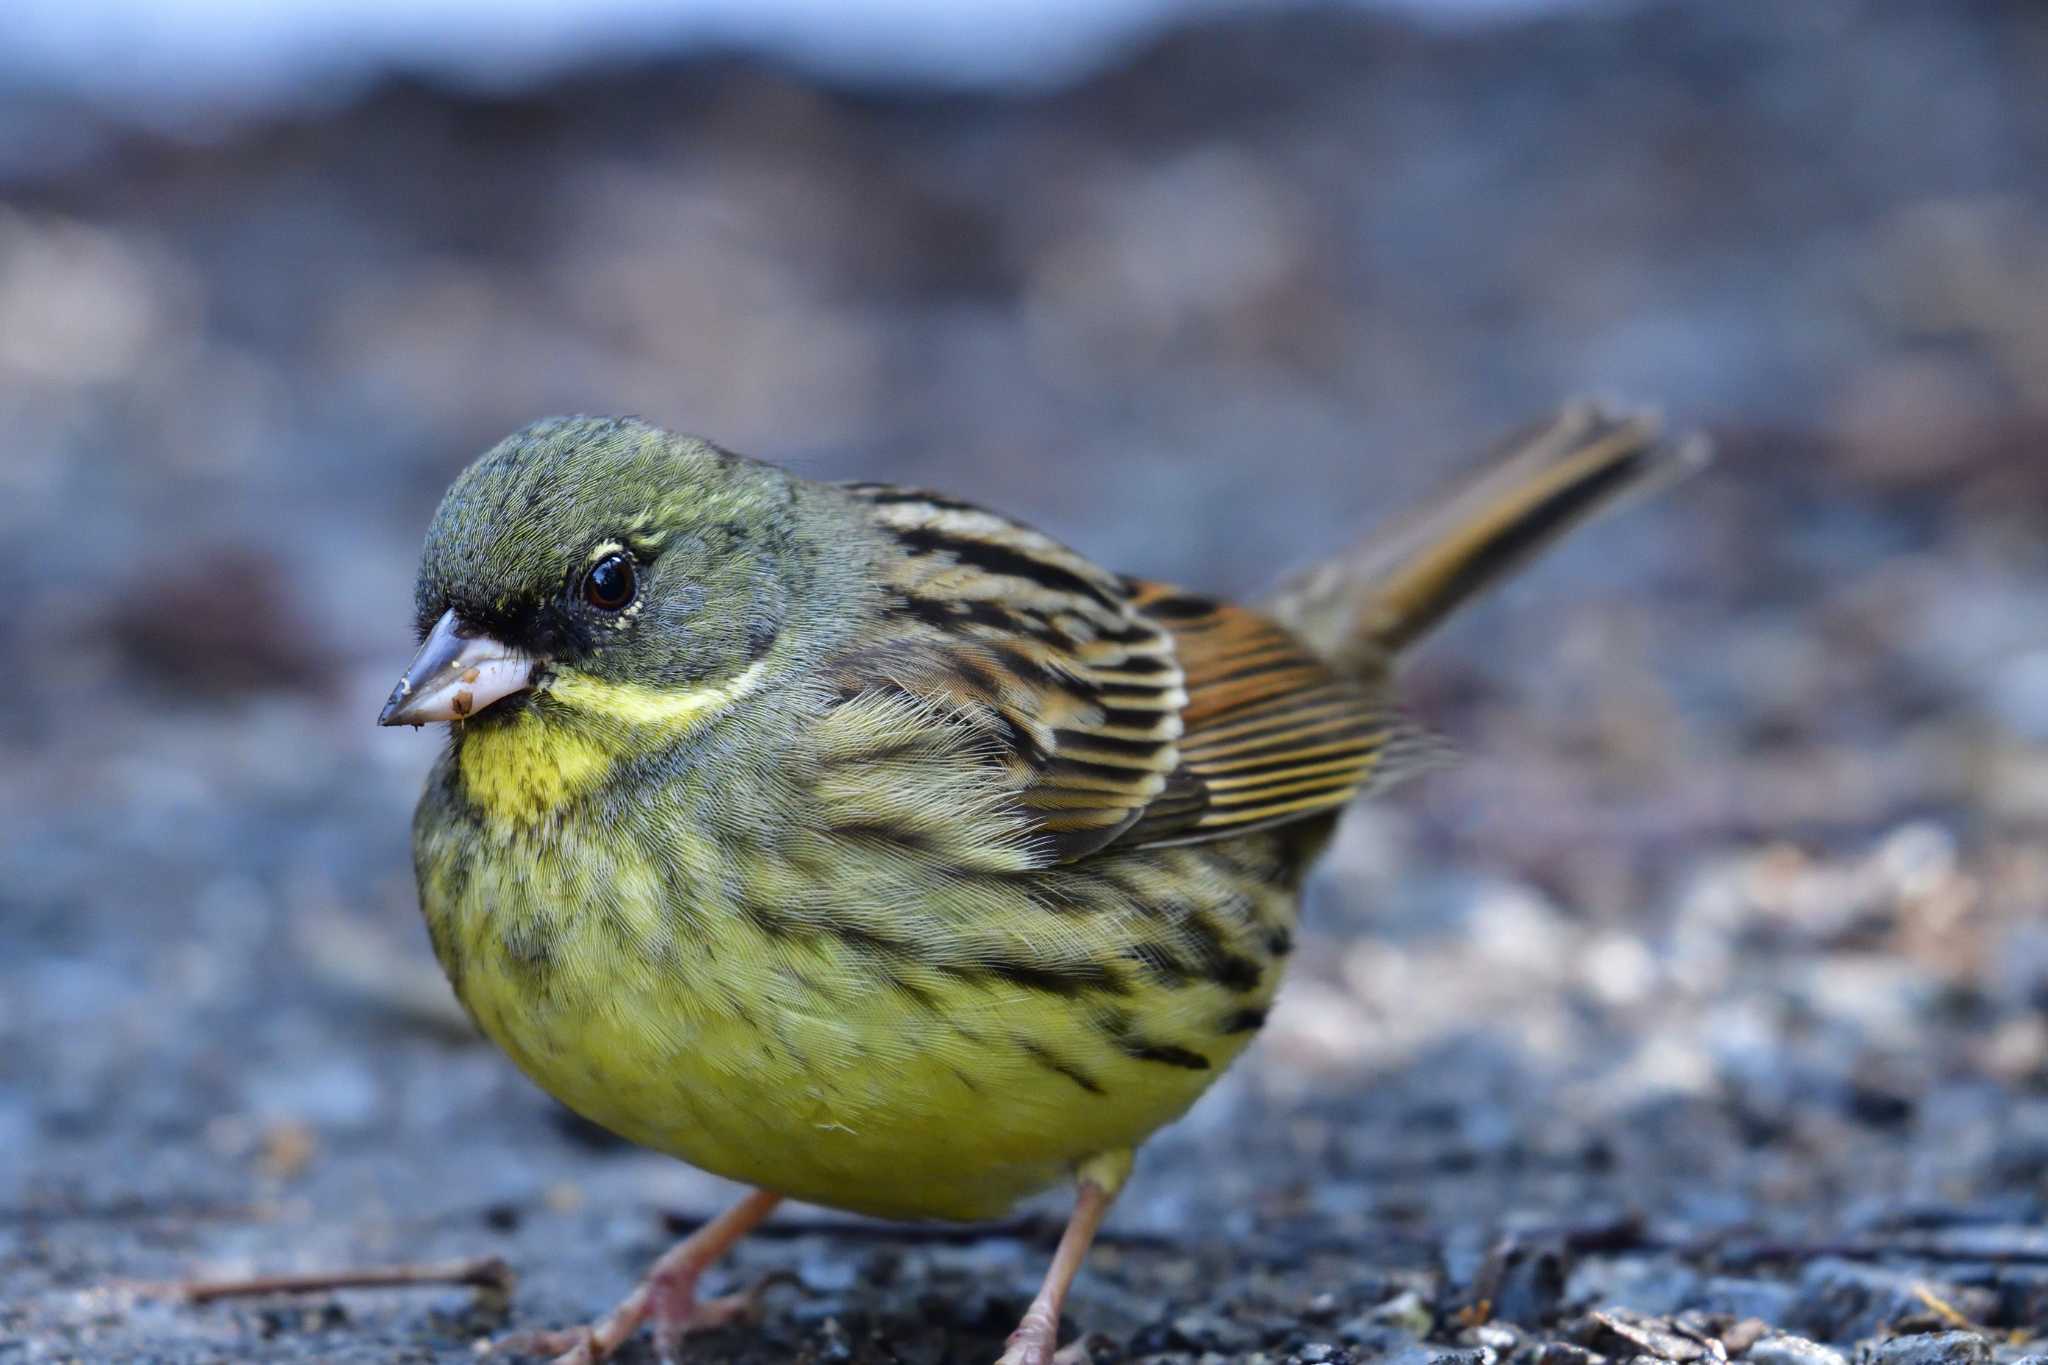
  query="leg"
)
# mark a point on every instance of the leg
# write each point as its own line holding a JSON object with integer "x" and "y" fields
{"x": 668, "y": 1295}
{"x": 1036, "y": 1337}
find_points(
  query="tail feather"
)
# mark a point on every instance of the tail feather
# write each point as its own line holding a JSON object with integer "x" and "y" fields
{"x": 1363, "y": 609}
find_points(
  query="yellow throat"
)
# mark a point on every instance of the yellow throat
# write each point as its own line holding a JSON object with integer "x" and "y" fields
{"x": 523, "y": 769}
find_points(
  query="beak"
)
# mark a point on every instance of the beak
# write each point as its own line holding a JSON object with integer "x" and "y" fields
{"x": 457, "y": 673}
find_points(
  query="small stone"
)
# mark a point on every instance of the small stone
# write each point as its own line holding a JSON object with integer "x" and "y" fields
{"x": 288, "y": 1148}
{"x": 1406, "y": 1311}
{"x": 1567, "y": 1353}
{"x": 1932, "y": 1348}
{"x": 1322, "y": 1353}
{"x": 1781, "y": 1348}
{"x": 1619, "y": 1332}
{"x": 1740, "y": 1336}
{"x": 1498, "y": 1337}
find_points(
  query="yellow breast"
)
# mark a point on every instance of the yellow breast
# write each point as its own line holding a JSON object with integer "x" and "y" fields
{"x": 791, "y": 1062}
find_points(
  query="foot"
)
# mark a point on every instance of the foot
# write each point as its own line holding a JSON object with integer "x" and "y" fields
{"x": 1037, "y": 1350}
{"x": 1033, "y": 1341}
{"x": 667, "y": 1297}
{"x": 674, "y": 1310}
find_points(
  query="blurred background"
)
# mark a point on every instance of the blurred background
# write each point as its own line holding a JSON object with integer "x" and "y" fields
{"x": 1714, "y": 980}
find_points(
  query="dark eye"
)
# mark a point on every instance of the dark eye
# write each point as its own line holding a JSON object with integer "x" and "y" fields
{"x": 610, "y": 584}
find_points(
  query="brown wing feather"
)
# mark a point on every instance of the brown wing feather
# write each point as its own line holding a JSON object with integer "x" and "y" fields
{"x": 1270, "y": 733}
{"x": 1038, "y": 651}
{"x": 1126, "y": 712}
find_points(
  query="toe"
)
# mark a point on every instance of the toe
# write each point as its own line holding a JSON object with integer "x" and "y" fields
{"x": 1025, "y": 1350}
{"x": 561, "y": 1347}
{"x": 702, "y": 1315}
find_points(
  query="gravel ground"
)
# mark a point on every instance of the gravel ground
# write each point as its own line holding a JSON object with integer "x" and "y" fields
{"x": 1700, "y": 1013}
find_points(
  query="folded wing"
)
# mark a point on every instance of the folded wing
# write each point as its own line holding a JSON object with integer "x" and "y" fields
{"x": 1119, "y": 712}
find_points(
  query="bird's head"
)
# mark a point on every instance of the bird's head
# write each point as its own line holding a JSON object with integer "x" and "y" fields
{"x": 603, "y": 565}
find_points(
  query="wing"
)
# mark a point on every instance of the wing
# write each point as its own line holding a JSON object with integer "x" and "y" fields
{"x": 1029, "y": 650}
{"x": 1270, "y": 733}
{"x": 1121, "y": 712}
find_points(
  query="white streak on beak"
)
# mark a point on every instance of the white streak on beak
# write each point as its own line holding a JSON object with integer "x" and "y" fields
{"x": 456, "y": 674}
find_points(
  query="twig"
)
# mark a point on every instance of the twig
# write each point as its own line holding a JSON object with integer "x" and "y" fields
{"x": 1943, "y": 1309}
{"x": 484, "y": 1272}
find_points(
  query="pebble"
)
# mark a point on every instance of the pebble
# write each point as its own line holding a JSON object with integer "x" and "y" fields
{"x": 1618, "y": 1332}
{"x": 1321, "y": 1353}
{"x": 1739, "y": 1336}
{"x": 1781, "y": 1348}
{"x": 1406, "y": 1311}
{"x": 1567, "y": 1353}
{"x": 1498, "y": 1337}
{"x": 1932, "y": 1348}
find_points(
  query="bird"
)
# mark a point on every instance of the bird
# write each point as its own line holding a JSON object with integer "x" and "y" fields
{"x": 872, "y": 849}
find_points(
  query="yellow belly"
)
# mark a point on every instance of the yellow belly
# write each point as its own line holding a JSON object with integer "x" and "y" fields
{"x": 799, "y": 1063}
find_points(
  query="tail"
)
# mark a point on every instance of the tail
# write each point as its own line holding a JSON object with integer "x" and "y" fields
{"x": 1363, "y": 609}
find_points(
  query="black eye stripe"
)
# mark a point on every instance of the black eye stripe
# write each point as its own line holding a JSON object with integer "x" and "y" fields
{"x": 610, "y": 584}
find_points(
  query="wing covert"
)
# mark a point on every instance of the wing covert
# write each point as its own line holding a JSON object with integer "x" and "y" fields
{"x": 1036, "y": 651}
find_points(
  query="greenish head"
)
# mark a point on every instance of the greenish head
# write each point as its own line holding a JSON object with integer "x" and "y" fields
{"x": 587, "y": 551}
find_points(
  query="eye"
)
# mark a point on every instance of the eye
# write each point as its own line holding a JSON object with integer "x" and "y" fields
{"x": 611, "y": 583}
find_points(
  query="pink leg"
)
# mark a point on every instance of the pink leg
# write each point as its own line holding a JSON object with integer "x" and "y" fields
{"x": 668, "y": 1295}
{"x": 1036, "y": 1337}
